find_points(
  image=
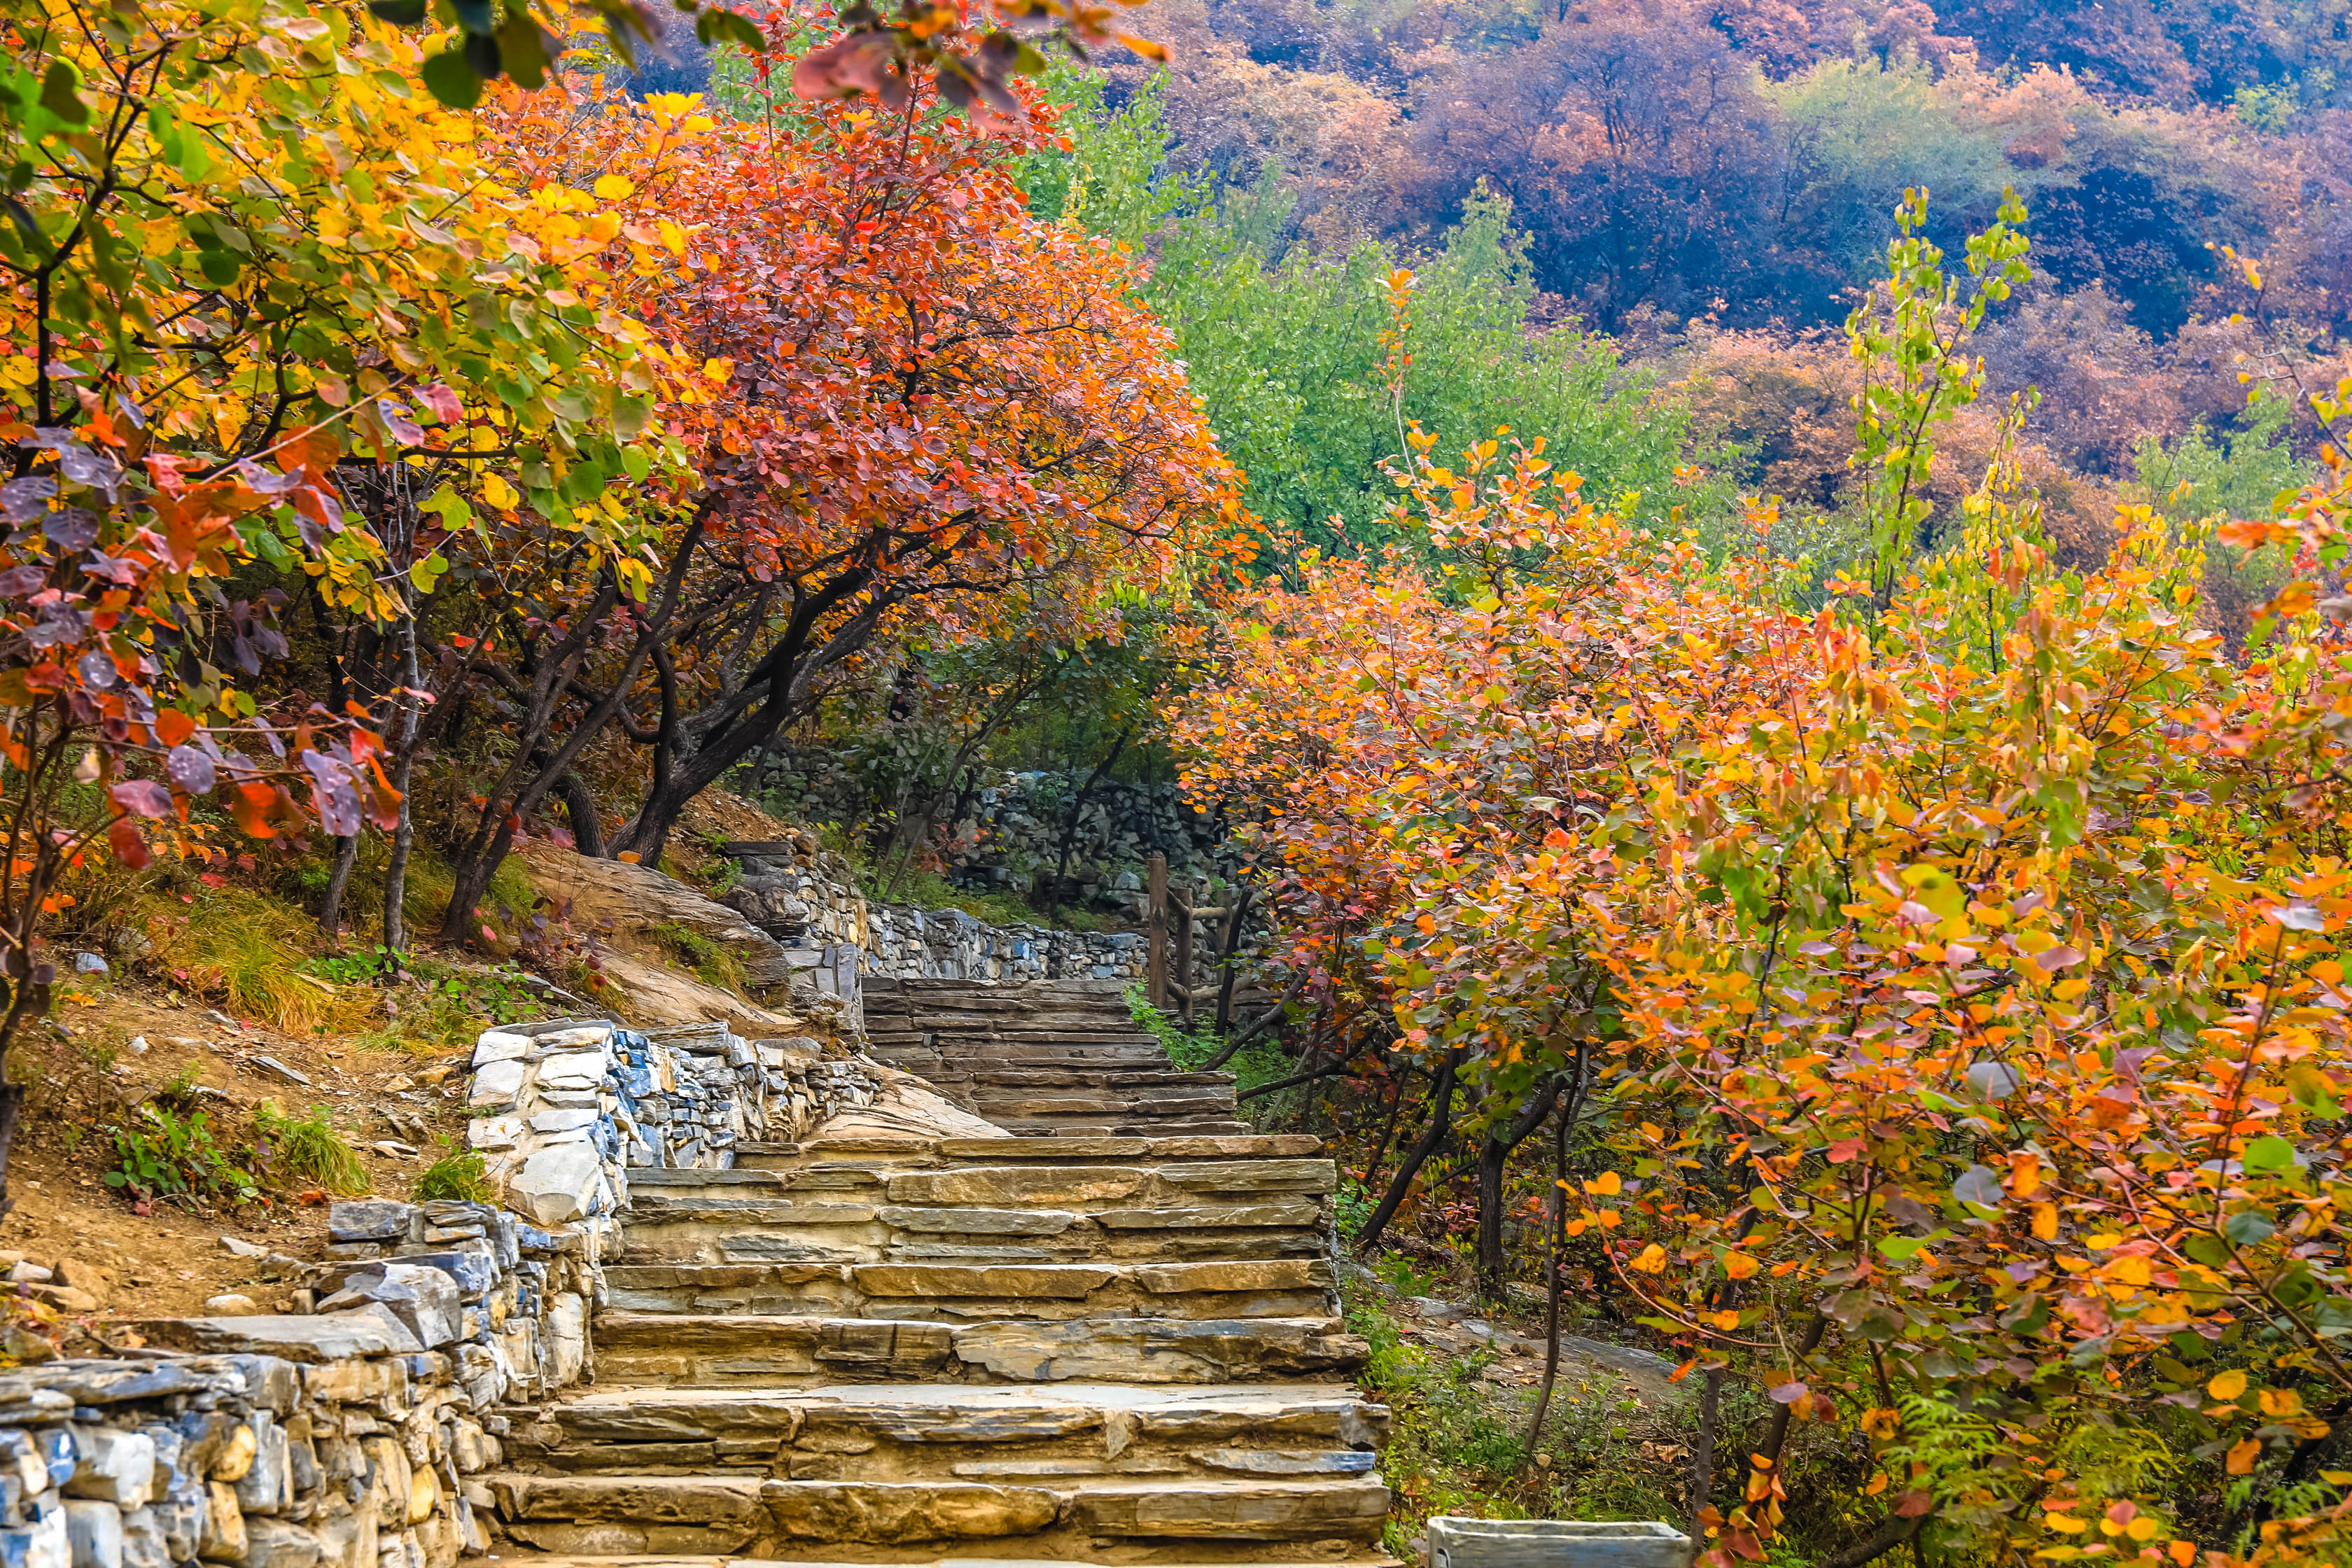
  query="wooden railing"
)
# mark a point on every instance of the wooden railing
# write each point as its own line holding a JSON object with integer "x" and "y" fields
{"x": 1171, "y": 960}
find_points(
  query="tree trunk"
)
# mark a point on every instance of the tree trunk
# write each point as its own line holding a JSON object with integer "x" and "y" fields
{"x": 1494, "y": 1158}
{"x": 580, "y": 806}
{"x": 745, "y": 721}
{"x": 404, "y": 771}
{"x": 1702, "y": 1463}
{"x": 1558, "y": 1214}
{"x": 331, "y": 908}
{"x": 1440, "y": 1113}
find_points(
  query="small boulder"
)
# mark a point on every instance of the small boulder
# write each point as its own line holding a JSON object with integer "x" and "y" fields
{"x": 230, "y": 1304}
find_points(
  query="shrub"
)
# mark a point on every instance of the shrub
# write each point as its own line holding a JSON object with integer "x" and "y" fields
{"x": 169, "y": 1153}
{"x": 458, "y": 1173}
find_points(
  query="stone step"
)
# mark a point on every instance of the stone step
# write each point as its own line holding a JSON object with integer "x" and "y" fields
{"x": 719, "y": 1351}
{"x": 938, "y": 1152}
{"x": 663, "y": 1226}
{"x": 1076, "y": 1438}
{"x": 1158, "y": 1174}
{"x": 980, "y": 1288}
{"x": 916, "y": 1557}
{"x": 1025, "y": 1077}
{"x": 1048, "y": 1126}
{"x": 1038, "y": 1517}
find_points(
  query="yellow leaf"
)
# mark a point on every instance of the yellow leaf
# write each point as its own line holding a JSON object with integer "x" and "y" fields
{"x": 2065, "y": 1522}
{"x": 2025, "y": 1174}
{"x": 1652, "y": 1260}
{"x": 2143, "y": 1527}
{"x": 1739, "y": 1265}
{"x": 2277, "y": 1402}
{"x": 614, "y": 187}
{"x": 1608, "y": 1185}
{"x": 2227, "y": 1384}
{"x": 2045, "y": 1222}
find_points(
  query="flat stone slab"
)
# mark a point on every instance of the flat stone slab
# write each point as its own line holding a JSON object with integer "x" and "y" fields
{"x": 1236, "y": 1215}
{"x": 320, "y": 1337}
{"x": 1277, "y": 1274}
{"x": 990, "y": 1186}
{"x": 1253, "y": 1175}
{"x": 1043, "y": 1147}
{"x": 632, "y": 1499}
{"x": 1457, "y": 1542}
{"x": 978, "y": 1221}
{"x": 1244, "y": 1509}
{"x": 1051, "y": 1281}
{"x": 1166, "y": 1351}
{"x": 890, "y": 1513}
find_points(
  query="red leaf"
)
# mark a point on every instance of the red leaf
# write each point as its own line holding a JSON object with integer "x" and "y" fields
{"x": 1913, "y": 1503}
{"x": 144, "y": 796}
{"x": 128, "y": 847}
{"x": 1845, "y": 1150}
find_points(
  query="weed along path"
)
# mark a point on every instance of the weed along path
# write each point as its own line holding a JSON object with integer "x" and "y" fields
{"x": 1110, "y": 1332}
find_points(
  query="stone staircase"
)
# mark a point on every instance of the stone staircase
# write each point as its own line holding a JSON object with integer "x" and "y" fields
{"x": 1113, "y": 1348}
{"x": 1049, "y": 1058}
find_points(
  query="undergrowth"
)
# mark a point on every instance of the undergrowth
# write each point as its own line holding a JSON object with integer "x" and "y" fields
{"x": 162, "y": 1151}
{"x": 711, "y": 962}
{"x": 1260, "y": 1062}
{"x": 308, "y": 1149}
{"x": 457, "y": 1174}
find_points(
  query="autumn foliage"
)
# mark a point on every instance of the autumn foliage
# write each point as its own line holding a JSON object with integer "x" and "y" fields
{"x": 1949, "y": 987}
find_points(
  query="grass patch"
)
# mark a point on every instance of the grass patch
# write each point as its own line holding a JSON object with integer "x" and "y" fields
{"x": 446, "y": 1007}
{"x": 460, "y": 1174}
{"x": 308, "y": 1149}
{"x": 244, "y": 950}
{"x": 712, "y": 964}
{"x": 1260, "y": 1062}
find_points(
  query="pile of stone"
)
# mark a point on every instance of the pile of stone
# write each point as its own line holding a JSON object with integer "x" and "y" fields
{"x": 563, "y": 1109}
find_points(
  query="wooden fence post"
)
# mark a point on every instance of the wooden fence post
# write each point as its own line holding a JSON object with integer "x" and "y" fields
{"x": 1155, "y": 925}
{"x": 1183, "y": 964}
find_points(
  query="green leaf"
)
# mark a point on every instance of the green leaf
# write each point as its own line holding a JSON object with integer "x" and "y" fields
{"x": 523, "y": 45}
{"x": 449, "y": 79}
{"x": 2270, "y": 1153}
{"x": 2207, "y": 1249}
{"x": 61, "y": 95}
{"x": 2248, "y": 1228}
{"x": 482, "y": 53}
{"x": 480, "y": 16}
{"x": 399, "y": 12}
{"x": 718, "y": 26}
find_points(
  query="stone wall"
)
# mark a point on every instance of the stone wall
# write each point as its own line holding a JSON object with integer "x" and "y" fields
{"x": 347, "y": 1437}
{"x": 563, "y": 1109}
{"x": 1010, "y": 832}
{"x": 802, "y": 896}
